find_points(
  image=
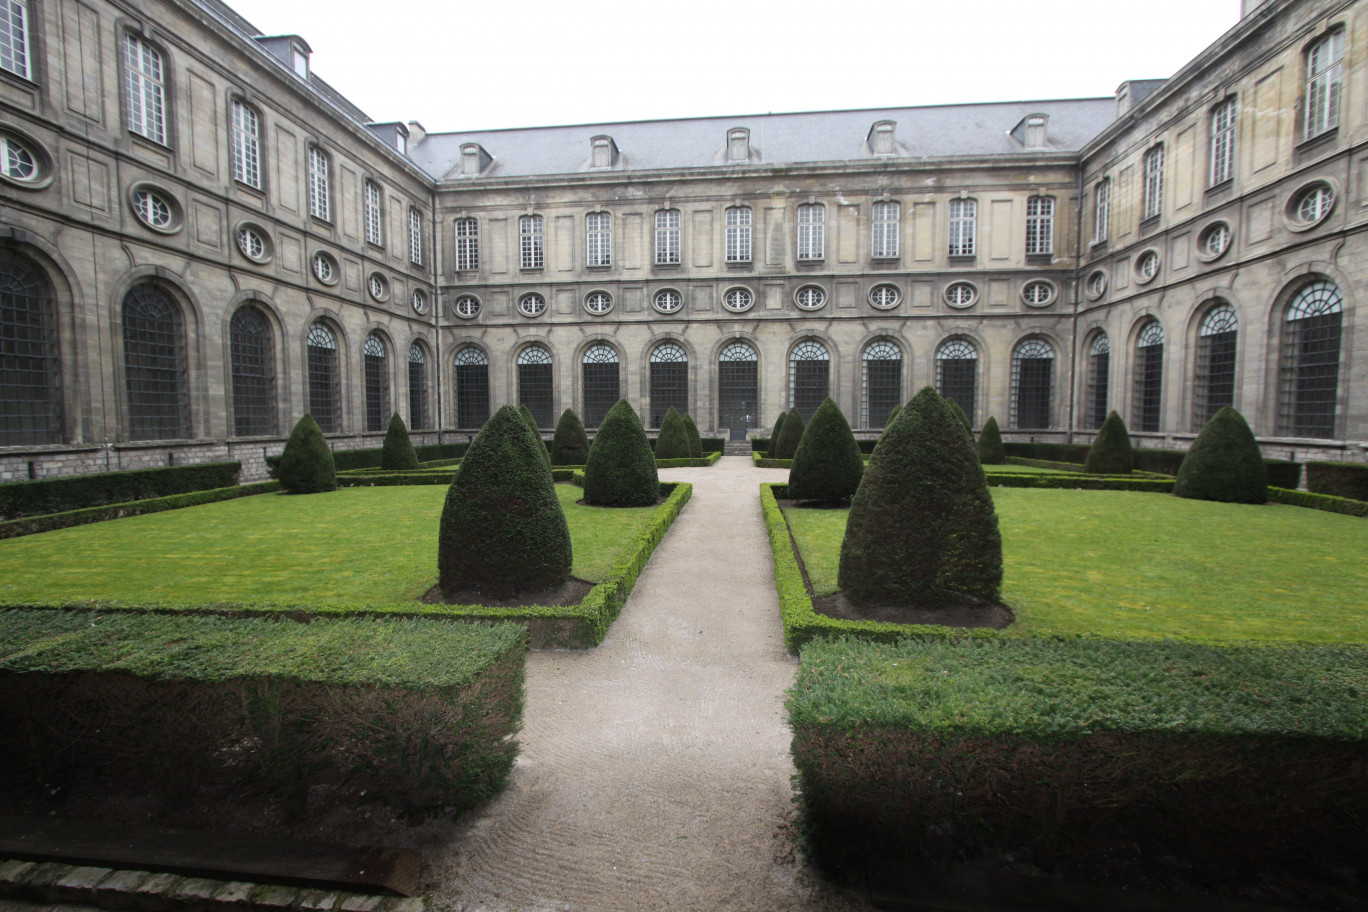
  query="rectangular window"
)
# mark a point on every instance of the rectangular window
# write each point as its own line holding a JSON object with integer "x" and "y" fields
{"x": 246, "y": 146}
{"x": 667, "y": 236}
{"x": 598, "y": 239}
{"x": 738, "y": 235}
{"x": 1102, "y": 212}
{"x": 1223, "y": 142}
{"x": 415, "y": 237}
{"x": 1154, "y": 182}
{"x": 319, "y": 206}
{"x": 963, "y": 216}
{"x": 467, "y": 244}
{"x": 1324, "y": 84}
{"x": 14, "y": 43}
{"x": 375, "y": 223}
{"x": 532, "y": 242}
{"x": 811, "y": 231}
{"x": 884, "y": 242}
{"x": 145, "y": 89}
{"x": 1039, "y": 226}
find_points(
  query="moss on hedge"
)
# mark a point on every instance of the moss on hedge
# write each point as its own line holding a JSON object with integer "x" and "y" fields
{"x": 621, "y": 469}
{"x": 695, "y": 441}
{"x": 673, "y": 440}
{"x": 1224, "y": 463}
{"x": 306, "y": 466}
{"x": 570, "y": 445}
{"x": 1111, "y": 452}
{"x": 789, "y": 435}
{"x": 773, "y": 450}
{"x": 397, "y": 454}
{"x": 990, "y": 449}
{"x": 827, "y": 466}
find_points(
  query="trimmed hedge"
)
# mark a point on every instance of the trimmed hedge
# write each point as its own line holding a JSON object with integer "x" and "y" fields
{"x": 695, "y": 441}
{"x": 46, "y": 523}
{"x": 673, "y": 440}
{"x": 1283, "y": 473}
{"x": 1224, "y": 463}
{"x": 306, "y": 466}
{"x": 1080, "y": 482}
{"x": 1111, "y": 452}
{"x": 827, "y": 465}
{"x": 990, "y": 447}
{"x": 397, "y": 453}
{"x": 418, "y": 715}
{"x": 570, "y": 444}
{"x": 1052, "y": 452}
{"x": 621, "y": 469}
{"x": 934, "y": 752}
{"x": 1338, "y": 479}
{"x": 349, "y": 460}
{"x": 77, "y": 492}
{"x": 789, "y": 435}
{"x": 714, "y": 444}
{"x": 771, "y": 445}
{"x": 1325, "y": 502}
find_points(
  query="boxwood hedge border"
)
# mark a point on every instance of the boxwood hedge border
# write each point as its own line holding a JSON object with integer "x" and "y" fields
{"x": 50, "y": 521}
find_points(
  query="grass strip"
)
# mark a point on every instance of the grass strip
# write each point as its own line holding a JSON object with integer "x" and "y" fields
{"x": 18, "y": 527}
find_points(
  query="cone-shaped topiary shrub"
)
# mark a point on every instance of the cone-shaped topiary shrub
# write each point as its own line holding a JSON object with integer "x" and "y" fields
{"x": 1224, "y": 463}
{"x": 990, "y": 448}
{"x": 306, "y": 466}
{"x": 774, "y": 435}
{"x": 570, "y": 445}
{"x": 621, "y": 470}
{"x": 922, "y": 529}
{"x": 827, "y": 465}
{"x": 963, "y": 418}
{"x": 1111, "y": 452}
{"x": 398, "y": 452}
{"x": 503, "y": 529}
{"x": 892, "y": 417}
{"x": 789, "y": 435}
{"x": 695, "y": 441}
{"x": 673, "y": 442}
{"x": 526, "y": 414}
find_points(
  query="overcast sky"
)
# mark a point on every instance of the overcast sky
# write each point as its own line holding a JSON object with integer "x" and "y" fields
{"x": 459, "y": 65}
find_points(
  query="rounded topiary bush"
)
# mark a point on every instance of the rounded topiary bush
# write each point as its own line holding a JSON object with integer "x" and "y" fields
{"x": 526, "y": 414}
{"x": 621, "y": 469}
{"x": 789, "y": 435}
{"x": 695, "y": 441}
{"x": 773, "y": 452}
{"x": 306, "y": 466}
{"x": 1111, "y": 452}
{"x": 503, "y": 529}
{"x": 990, "y": 448}
{"x": 1224, "y": 464}
{"x": 922, "y": 529}
{"x": 673, "y": 441}
{"x": 570, "y": 444}
{"x": 827, "y": 465}
{"x": 398, "y": 452}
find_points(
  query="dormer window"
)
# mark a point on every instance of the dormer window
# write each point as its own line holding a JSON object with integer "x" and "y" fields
{"x": 299, "y": 59}
{"x": 474, "y": 159}
{"x": 1035, "y": 131}
{"x": 1122, "y": 99}
{"x": 604, "y": 152}
{"x": 738, "y": 144}
{"x": 881, "y": 138}
{"x": 401, "y": 142}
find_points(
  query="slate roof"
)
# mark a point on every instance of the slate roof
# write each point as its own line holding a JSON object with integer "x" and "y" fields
{"x": 776, "y": 139}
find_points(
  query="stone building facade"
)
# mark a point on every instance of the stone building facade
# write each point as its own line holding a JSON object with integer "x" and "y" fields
{"x": 200, "y": 241}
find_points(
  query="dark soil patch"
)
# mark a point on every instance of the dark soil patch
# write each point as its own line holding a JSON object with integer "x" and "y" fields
{"x": 972, "y": 613}
{"x": 571, "y": 593}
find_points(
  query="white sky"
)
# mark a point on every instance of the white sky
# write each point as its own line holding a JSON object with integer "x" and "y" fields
{"x": 460, "y": 65}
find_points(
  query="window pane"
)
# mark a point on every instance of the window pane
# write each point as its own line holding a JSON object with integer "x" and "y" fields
{"x": 30, "y": 375}
{"x": 154, "y": 366}
{"x": 253, "y": 365}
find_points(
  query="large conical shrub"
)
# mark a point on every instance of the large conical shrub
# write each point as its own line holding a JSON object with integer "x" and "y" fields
{"x": 789, "y": 435}
{"x": 773, "y": 452}
{"x": 526, "y": 414}
{"x": 503, "y": 529}
{"x": 960, "y": 416}
{"x": 922, "y": 529}
{"x": 398, "y": 452}
{"x": 306, "y": 466}
{"x": 1224, "y": 463}
{"x": 827, "y": 464}
{"x": 695, "y": 441}
{"x": 673, "y": 442}
{"x": 892, "y": 417}
{"x": 990, "y": 448}
{"x": 621, "y": 469}
{"x": 1111, "y": 452}
{"x": 569, "y": 445}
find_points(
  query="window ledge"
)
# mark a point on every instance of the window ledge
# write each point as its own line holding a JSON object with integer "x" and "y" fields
{"x": 1151, "y": 223}
{"x": 959, "y": 259}
{"x": 1309, "y": 146}
{"x": 149, "y": 142}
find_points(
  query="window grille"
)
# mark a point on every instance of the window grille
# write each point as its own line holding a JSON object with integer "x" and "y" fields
{"x": 1216, "y": 240}
{"x": 30, "y": 370}
{"x": 668, "y": 301}
{"x": 1216, "y": 352}
{"x": 884, "y": 243}
{"x": 1324, "y": 84}
{"x": 418, "y": 301}
{"x": 246, "y": 145}
{"x": 738, "y": 300}
{"x": 467, "y": 306}
{"x": 960, "y": 294}
{"x": 598, "y": 239}
{"x": 738, "y": 386}
{"x": 324, "y": 269}
{"x": 1223, "y": 142}
{"x": 881, "y": 382}
{"x": 1032, "y": 383}
{"x": 152, "y": 208}
{"x": 1097, "y": 283}
{"x": 669, "y": 381}
{"x": 1039, "y": 226}
{"x": 1149, "y": 376}
{"x": 1102, "y": 212}
{"x": 324, "y": 397}
{"x": 1099, "y": 377}
{"x": 535, "y": 389}
{"x": 810, "y": 297}
{"x": 252, "y": 351}
{"x": 375, "y": 221}
{"x": 1148, "y": 265}
{"x": 319, "y": 205}
{"x": 251, "y": 243}
{"x": 885, "y": 296}
{"x": 667, "y": 237}
{"x": 467, "y": 244}
{"x": 416, "y": 237}
{"x": 1310, "y": 362}
{"x": 377, "y": 286}
{"x": 145, "y": 89}
{"x": 963, "y": 216}
{"x": 1154, "y": 181}
{"x": 1315, "y": 204}
{"x": 601, "y": 382}
{"x": 598, "y": 303}
{"x": 531, "y": 241}
{"x": 14, "y": 39}
{"x": 418, "y": 388}
{"x": 377, "y": 384}
{"x": 154, "y": 366}
{"x": 811, "y": 231}
{"x": 738, "y": 235}
{"x": 809, "y": 376}
{"x": 531, "y": 304}
{"x": 17, "y": 161}
{"x": 957, "y": 374}
{"x": 1038, "y": 293}
{"x": 472, "y": 386}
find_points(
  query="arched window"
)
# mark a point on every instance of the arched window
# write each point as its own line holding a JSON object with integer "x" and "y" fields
{"x": 1099, "y": 379}
{"x": 472, "y": 386}
{"x": 669, "y": 381}
{"x": 601, "y": 382}
{"x": 324, "y": 399}
{"x": 377, "y": 383}
{"x": 881, "y": 382}
{"x": 1032, "y": 383}
{"x": 30, "y": 373}
{"x": 957, "y": 374}
{"x": 1149, "y": 376}
{"x": 252, "y": 352}
{"x": 1215, "y": 386}
{"x": 535, "y": 384}
{"x": 154, "y": 365}
{"x": 418, "y": 388}
{"x": 1310, "y": 361}
{"x": 809, "y": 376}
{"x": 738, "y": 386}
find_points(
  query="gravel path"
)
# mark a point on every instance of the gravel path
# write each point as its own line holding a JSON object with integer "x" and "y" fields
{"x": 655, "y": 769}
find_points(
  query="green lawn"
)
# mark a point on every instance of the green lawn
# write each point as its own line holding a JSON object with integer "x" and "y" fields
{"x": 1150, "y": 565}
{"x": 351, "y": 547}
